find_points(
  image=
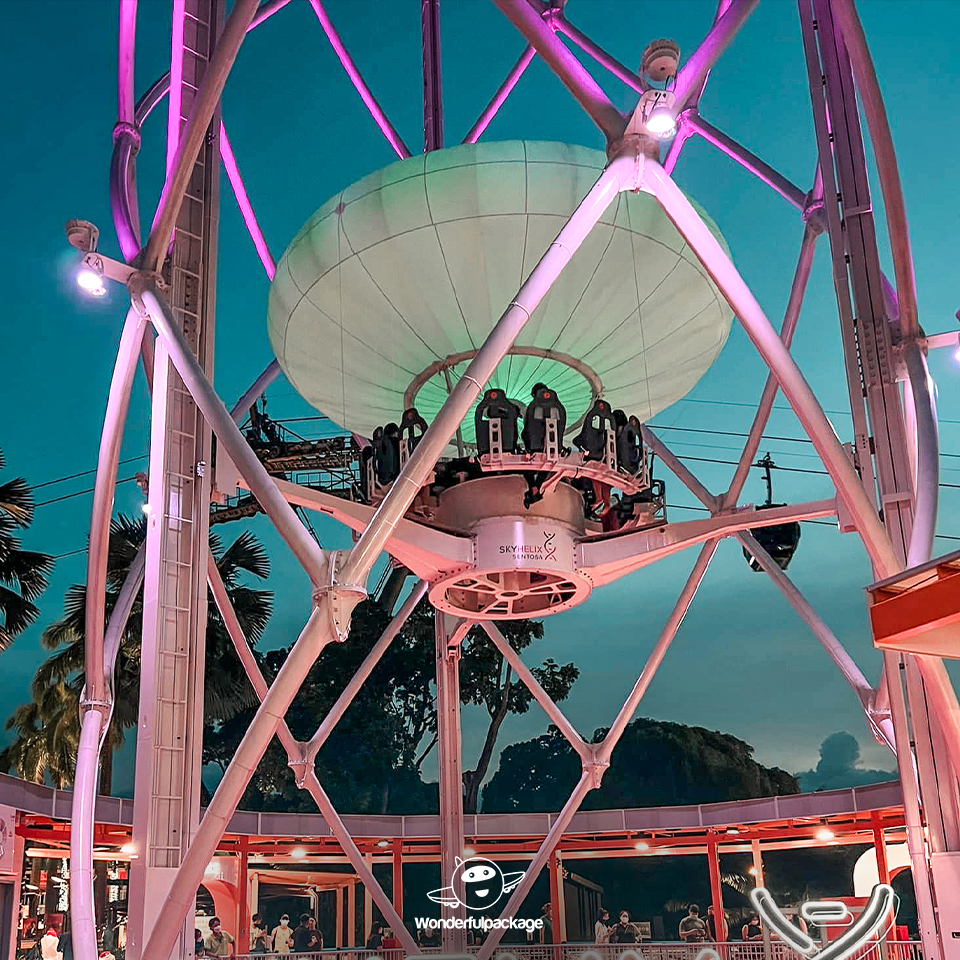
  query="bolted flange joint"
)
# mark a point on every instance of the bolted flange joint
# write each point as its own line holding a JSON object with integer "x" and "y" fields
{"x": 596, "y": 767}
{"x": 127, "y": 131}
{"x": 341, "y": 597}
{"x": 300, "y": 768}
{"x": 812, "y": 213}
{"x": 140, "y": 281}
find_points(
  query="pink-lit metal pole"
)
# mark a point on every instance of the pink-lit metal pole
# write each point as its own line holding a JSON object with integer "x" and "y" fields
{"x": 620, "y": 174}
{"x": 288, "y": 524}
{"x": 749, "y": 161}
{"x": 265, "y": 11}
{"x": 350, "y": 691}
{"x": 913, "y": 819}
{"x": 294, "y": 749}
{"x": 175, "y": 102}
{"x": 845, "y": 14}
{"x": 499, "y": 98}
{"x": 927, "y": 471}
{"x": 188, "y": 147}
{"x": 96, "y": 700}
{"x": 243, "y": 405}
{"x": 777, "y": 357}
{"x": 683, "y": 134}
{"x": 115, "y": 417}
{"x": 553, "y": 837}
{"x": 790, "y": 317}
{"x": 614, "y": 66}
{"x": 571, "y": 73}
{"x": 694, "y": 72}
{"x": 555, "y": 714}
{"x": 126, "y": 135}
{"x": 659, "y": 651}
{"x": 243, "y": 202}
{"x": 369, "y": 100}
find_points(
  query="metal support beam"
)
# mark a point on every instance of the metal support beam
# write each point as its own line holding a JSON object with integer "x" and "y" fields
{"x": 571, "y": 73}
{"x": 716, "y": 887}
{"x": 166, "y": 810}
{"x": 432, "y": 83}
{"x": 450, "y": 764}
{"x": 499, "y": 98}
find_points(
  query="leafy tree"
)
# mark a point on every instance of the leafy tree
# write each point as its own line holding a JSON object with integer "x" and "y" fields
{"x": 48, "y": 728}
{"x": 654, "y": 763}
{"x": 371, "y": 762}
{"x": 23, "y": 573}
{"x": 367, "y": 764}
{"x": 486, "y": 680}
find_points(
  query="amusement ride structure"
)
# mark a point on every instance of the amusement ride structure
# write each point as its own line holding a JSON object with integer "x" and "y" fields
{"x": 430, "y": 308}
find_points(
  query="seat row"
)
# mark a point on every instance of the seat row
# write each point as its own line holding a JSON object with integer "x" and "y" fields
{"x": 606, "y": 435}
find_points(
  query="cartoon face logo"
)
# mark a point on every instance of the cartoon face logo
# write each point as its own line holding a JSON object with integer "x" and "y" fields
{"x": 477, "y": 884}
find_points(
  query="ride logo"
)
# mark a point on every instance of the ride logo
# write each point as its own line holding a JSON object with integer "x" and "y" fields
{"x": 536, "y": 552}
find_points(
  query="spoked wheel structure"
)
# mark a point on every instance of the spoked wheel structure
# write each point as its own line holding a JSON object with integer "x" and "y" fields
{"x": 626, "y": 294}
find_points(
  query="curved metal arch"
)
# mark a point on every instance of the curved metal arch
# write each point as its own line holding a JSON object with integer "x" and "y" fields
{"x": 693, "y": 75}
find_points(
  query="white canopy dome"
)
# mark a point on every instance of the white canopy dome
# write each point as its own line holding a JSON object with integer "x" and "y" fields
{"x": 395, "y": 282}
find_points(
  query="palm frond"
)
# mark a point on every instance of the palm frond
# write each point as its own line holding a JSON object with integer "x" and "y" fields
{"x": 245, "y": 553}
{"x": 16, "y": 501}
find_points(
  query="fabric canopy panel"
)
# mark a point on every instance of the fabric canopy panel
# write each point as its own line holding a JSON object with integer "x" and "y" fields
{"x": 416, "y": 262}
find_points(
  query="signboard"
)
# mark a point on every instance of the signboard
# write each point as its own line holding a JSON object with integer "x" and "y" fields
{"x": 8, "y": 821}
{"x": 643, "y": 928}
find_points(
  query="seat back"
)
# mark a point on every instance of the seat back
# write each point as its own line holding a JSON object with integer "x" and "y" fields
{"x": 386, "y": 452}
{"x": 630, "y": 447}
{"x": 495, "y": 405}
{"x": 592, "y": 438}
{"x": 538, "y": 435}
{"x": 412, "y": 429}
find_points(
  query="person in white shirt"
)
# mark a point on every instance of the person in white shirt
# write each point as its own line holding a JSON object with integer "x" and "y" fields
{"x": 50, "y": 945}
{"x": 601, "y": 929}
{"x": 282, "y": 935}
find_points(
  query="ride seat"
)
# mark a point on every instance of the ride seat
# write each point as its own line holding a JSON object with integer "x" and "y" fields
{"x": 545, "y": 406}
{"x": 630, "y": 447}
{"x": 495, "y": 405}
{"x": 592, "y": 438}
{"x": 412, "y": 428}
{"x": 386, "y": 453}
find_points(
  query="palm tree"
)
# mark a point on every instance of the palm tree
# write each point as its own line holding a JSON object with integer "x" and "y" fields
{"x": 42, "y": 740}
{"x": 23, "y": 573}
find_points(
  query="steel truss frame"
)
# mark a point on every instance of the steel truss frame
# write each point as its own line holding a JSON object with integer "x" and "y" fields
{"x": 339, "y": 579}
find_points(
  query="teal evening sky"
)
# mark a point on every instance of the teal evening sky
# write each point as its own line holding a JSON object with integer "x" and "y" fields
{"x": 742, "y": 663}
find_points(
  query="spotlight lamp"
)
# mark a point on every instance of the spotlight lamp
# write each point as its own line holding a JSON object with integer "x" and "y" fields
{"x": 94, "y": 267}
{"x": 656, "y": 110}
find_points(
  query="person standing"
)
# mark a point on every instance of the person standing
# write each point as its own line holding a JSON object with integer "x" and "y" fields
{"x": 692, "y": 928}
{"x": 317, "y": 945}
{"x": 305, "y": 937}
{"x": 717, "y": 936}
{"x": 546, "y": 931}
{"x": 198, "y": 948}
{"x": 602, "y": 928}
{"x": 283, "y": 935}
{"x": 375, "y": 940}
{"x": 259, "y": 938}
{"x": 624, "y": 931}
{"x": 219, "y": 943}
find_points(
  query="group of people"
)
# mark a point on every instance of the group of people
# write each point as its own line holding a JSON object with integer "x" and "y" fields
{"x": 694, "y": 928}
{"x": 283, "y": 939}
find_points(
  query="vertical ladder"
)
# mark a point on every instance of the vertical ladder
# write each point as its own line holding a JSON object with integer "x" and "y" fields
{"x": 170, "y": 728}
